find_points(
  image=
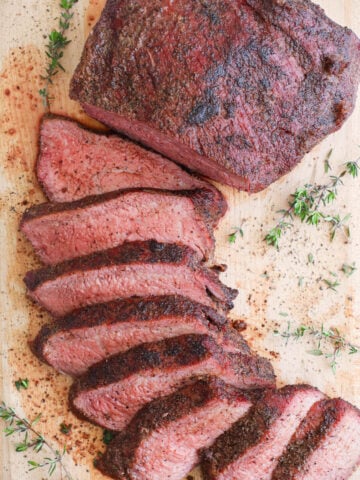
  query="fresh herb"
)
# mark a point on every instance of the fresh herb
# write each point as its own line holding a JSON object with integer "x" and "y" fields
{"x": 55, "y": 49}
{"x": 331, "y": 284}
{"x": 65, "y": 428}
{"x": 300, "y": 281}
{"x": 107, "y": 436}
{"x": 22, "y": 383}
{"x": 311, "y": 258}
{"x": 327, "y": 165}
{"x": 305, "y": 204}
{"x": 33, "y": 440}
{"x": 348, "y": 270}
{"x": 237, "y": 231}
{"x": 329, "y": 342}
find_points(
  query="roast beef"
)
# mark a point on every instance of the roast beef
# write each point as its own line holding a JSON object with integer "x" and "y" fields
{"x": 132, "y": 270}
{"x": 162, "y": 440}
{"x": 112, "y": 391}
{"x": 91, "y": 334}
{"x": 237, "y": 90}
{"x": 250, "y": 449}
{"x": 75, "y": 162}
{"x": 325, "y": 446}
{"x": 60, "y": 232}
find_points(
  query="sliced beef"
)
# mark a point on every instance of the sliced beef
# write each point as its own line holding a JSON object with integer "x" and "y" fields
{"x": 250, "y": 449}
{"x": 228, "y": 88}
{"x": 112, "y": 391}
{"x": 89, "y": 335}
{"x": 60, "y": 232}
{"x": 75, "y": 162}
{"x": 132, "y": 270}
{"x": 325, "y": 446}
{"x": 163, "y": 439}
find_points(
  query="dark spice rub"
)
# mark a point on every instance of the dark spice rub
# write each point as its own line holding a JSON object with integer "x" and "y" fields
{"x": 251, "y": 448}
{"x": 112, "y": 391}
{"x": 325, "y": 446}
{"x": 75, "y": 162}
{"x": 236, "y": 90}
{"x": 63, "y": 231}
{"x": 132, "y": 270}
{"x": 163, "y": 439}
{"x": 88, "y": 335}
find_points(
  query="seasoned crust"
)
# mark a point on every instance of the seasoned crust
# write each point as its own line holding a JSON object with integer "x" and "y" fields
{"x": 121, "y": 453}
{"x": 137, "y": 310}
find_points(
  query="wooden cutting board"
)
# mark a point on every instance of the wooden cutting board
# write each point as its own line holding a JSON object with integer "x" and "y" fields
{"x": 271, "y": 293}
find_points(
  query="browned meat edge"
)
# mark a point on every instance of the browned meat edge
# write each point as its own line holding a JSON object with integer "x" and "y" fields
{"x": 302, "y": 445}
{"x": 203, "y": 201}
{"x": 217, "y": 208}
{"x": 129, "y": 253}
{"x": 139, "y": 309}
{"x": 119, "y": 455}
{"x": 168, "y": 353}
{"x": 243, "y": 434}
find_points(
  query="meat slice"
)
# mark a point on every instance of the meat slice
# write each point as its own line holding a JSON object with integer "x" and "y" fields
{"x": 325, "y": 446}
{"x": 111, "y": 392}
{"x": 251, "y": 448}
{"x": 228, "y": 88}
{"x": 60, "y": 232}
{"x": 89, "y": 335}
{"x": 75, "y": 162}
{"x": 163, "y": 439}
{"x": 135, "y": 269}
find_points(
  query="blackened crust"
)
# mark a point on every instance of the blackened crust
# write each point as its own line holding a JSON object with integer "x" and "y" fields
{"x": 139, "y": 310}
{"x": 120, "y": 454}
{"x": 311, "y": 432}
{"x": 169, "y": 353}
{"x": 127, "y": 253}
{"x": 247, "y": 432}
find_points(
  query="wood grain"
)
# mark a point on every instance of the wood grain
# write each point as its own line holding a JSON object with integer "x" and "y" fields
{"x": 267, "y": 279}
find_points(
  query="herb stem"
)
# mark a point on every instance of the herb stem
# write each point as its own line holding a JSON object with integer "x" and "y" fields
{"x": 55, "y": 50}
{"x": 22, "y": 425}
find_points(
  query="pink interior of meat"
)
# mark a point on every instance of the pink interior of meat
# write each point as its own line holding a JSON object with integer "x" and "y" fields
{"x": 88, "y": 287}
{"x": 73, "y": 352}
{"x": 338, "y": 454}
{"x": 103, "y": 164}
{"x": 260, "y": 460}
{"x": 166, "y": 145}
{"x": 114, "y": 405}
{"x": 171, "y": 452}
{"x": 132, "y": 217}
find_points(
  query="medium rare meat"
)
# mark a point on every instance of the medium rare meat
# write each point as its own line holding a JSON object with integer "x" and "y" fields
{"x": 132, "y": 270}
{"x": 236, "y": 90}
{"x": 60, "y": 232}
{"x": 325, "y": 446}
{"x": 89, "y": 335}
{"x": 250, "y": 449}
{"x": 75, "y": 162}
{"x": 111, "y": 392}
{"x": 163, "y": 439}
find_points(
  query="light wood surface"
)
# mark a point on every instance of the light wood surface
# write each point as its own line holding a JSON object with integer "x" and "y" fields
{"x": 267, "y": 279}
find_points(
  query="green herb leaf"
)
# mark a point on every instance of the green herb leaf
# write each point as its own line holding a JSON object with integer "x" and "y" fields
{"x": 57, "y": 42}
{"x": 22, "y": 383}
{"x": 348, "y": 270}
{"x": 316, "y": 352}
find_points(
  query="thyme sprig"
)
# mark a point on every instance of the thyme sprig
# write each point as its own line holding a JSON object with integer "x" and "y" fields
{"x": 329, "y": 342}
{"x": 55, "y": 49}
{"x": 33, "y": 440}
{"x": 237, "y": 231}
{"x": 305, "y": 204}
